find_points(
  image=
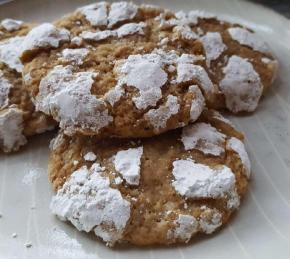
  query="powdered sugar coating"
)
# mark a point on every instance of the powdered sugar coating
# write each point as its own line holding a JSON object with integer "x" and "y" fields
{"x": 250, "y": 39}
{"x": 121, "y": 11}
{"x": 90, "y": 204}
{"x": 159, "y": 117}
{"x": 96, "y": 13}
{"x": 148, "y": 73}
{"x": 198, "y": 103}
{"x": 187, "y": 71}
{"x": 90, "y": 156}
{"x": 67, "y": 95}
{"x": 75, "y": 55}
{"x": 11, "y": 24}
{"x": 5, "y": 87}
{"x": 210, "y": 220}
{"x": 213, "y": 45}
{"x": 122, "y": 31}
{"x": 45, "y": 35}
{"x": 11, "y": 127}
{"x": 186, "y": 226}
{"x": 185, "y": 32}
{"x": 218, "y": 116}
{"x": 241, "y": 85}
{"x": 203, "y": 137}
{"x": 9, "y": 52}
{"x": 238, "y": 146}
{"x": 127, "y": 163}
{"x": 144, "y": 72}
{"x": 56, "y": 142}
{"x": 194, "y": 180}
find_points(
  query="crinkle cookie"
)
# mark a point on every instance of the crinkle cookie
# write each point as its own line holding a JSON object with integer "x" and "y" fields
{"x": 18, "y": 118}
{"x": 160, "y": 190}
{"x": 104, "y": 70}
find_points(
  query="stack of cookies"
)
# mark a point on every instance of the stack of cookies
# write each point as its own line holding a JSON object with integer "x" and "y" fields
{"x": 142, "y": 154}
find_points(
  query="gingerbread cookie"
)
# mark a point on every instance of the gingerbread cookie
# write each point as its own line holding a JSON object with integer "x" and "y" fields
{"x": 18, "y": 118}
{"x": 160, "y": 190}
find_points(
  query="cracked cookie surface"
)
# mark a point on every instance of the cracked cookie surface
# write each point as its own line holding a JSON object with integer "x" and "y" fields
{"x": 160, "y": 190}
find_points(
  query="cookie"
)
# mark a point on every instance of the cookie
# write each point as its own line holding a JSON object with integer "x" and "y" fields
{"x": 128, "y": 70}
{"x": 159, "y": 190}
{"x": 119, "y": 81}
{"x": 18, "y": 117}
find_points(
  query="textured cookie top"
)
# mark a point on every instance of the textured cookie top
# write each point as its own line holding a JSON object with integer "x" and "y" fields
{"x": 18, "y": 117}
{"x": 164, "y": 189}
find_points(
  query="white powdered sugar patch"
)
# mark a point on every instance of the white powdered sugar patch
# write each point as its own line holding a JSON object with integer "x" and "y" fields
{"x": 185, "y": 32}
{"x": 234, "y": 200}
{"x": 187, "y": 71}
{"x": 186, "y": 226}
{"x": 131, "y": 28}
{"x": 90, "y": 156}
{"x": 194, "y": 180}
{"x": 250, "y": 39}
{"x": 75, "y": 55}
{"x": 241, "y": 85}
{"x": 198, "y": 103}
{"x": 76, "y": 41}
{"x": 67, "y": 96}
{"x": 124, "y": 30}
{"x": 159, "y": 117}
{"x": 90, "y": 204}
{"x": 238, "y": 146}
{"x": 11, "y": 24}
{"x": 99, "y": 35}
{"x": 11, "y": 127}
{"x": 96, "y": 14}
{"x": 121, "y": 11}
{"x": 5, "y": 87}
{"x": 210, "y": 220}
{"x": 203, "y": 137}
{"x": 9, "y": 52}
{"x": 114, "y": 95}
{"x": 146, "y": 73}
{"x": 127, "y": 163}
{"x": 45, "y": 35}
{"x": 213, "y": 46}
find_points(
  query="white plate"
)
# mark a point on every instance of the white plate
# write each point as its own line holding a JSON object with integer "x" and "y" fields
{"x": 261, "y": 229}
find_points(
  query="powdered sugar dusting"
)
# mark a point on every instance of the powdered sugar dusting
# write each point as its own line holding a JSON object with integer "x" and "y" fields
{"x": 218, "y": 116}
{"x": 186, "y": 226}
{"x": 11, "y": 24}
{"x": 241, "y": 85}
{"x": 5, "y": 87}
{"x": 45, "y": 35}
{"x": 250, "y": 39}
{"x": 127, "y": 163}
{"x": 203, "y": 137}
{"x": 121, "y": 11}
{"x": 198, "y": 103}
{"x": 159, "y": 117}
{"x": 11, "y": 127}
{"x": 90, "y": 156}
{"x": 75, "y": 55}
{"x": 145, "y": 72}
{"x": 210, "y": 220}
{"x": 185, "y": 32}
{"x": 90, "y": 204}
{"x": 194, "y": 180}
{"x": 124, "y": 30}
{"x": 239, "y": 147}
{"x": 213, "y": 45}
{"x": 67, "y": 96}
{"x": 96, "y": 14}
{"x": 9, "y": 53}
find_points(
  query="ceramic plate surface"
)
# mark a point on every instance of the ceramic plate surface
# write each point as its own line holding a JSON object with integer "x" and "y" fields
{"x": 261, "y": 229}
